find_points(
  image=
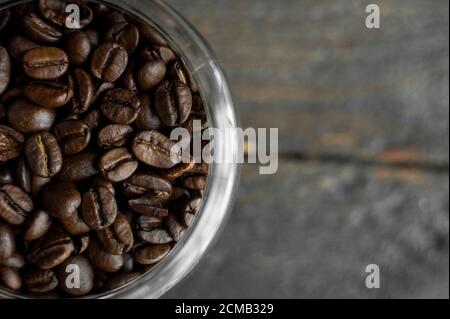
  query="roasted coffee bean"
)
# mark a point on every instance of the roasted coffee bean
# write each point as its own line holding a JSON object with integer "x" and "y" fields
{"x": 99, "y": 208}
{"x": 177, "y": 72}
{"x": 120, "y": 106}
{"x": 15, "y": 204}
{"x": 151, "y": 254}
{"x": 101, "y": 89}
{"x": 48, "y": 94}
{"x": 43, "y": 154}
{"x": 12, "y": 94}
{"x": 60, "y": 199}
{"x": 72, "y": 136}
{"x": 117, "y": 165}
{"x": 78, "y": 47}
{"x": 175, "y": 228}
{"x": 39, "y": 280}
{"x": 148, "y": 205}
{"x": 10, "y": 277}
{"x": 40, "y": 30}
{"x": 147, "y": 182}
{"x": 148, "y": 223}
{"x": 75, "y": 225}
{"x": 7, "y": 241}
{"x": 173, "y": 102}
{"x": 125, "y": 34}
{"x": 103, "y": 260}
{"x": 85, "y": 281}
{"x": 118, "y": 238}
{"x": 6, "y": 176}
{"x": 16, "y": 260}
{"x": 155, "y": 236}
{"x": 103, "y": 182}
{"x": 195, "y": 182}
{"x": 81, "y": 243}
{"x": 45, "y": 63}
{"x": 109, "y": 61}
{"x": 114, "y": 135}
{"x": 92, "y": 118}
{"x": 188, "y": 212}
{"x": 113, "y": 18}
{"x": 150, "y": 74}
{"x": 79, "y": 167}
{"x": 37, "y": 225}
{"x": 155, "y": 149}
{"x": 147, "y": 118}
{"x": 83, "y": 92}
{"x": 51, "y": 250}
{"x": 56, "y": 12}
{"x": 163, "y": 52}
{"x": 128, "y": 80}
{"x": 37, "y": 183}
{"x": 37, "y": 118}
{"x": 200, "y": 168}
{"x": 19, "y": 45}
{"x": 23, "y": 175}
{"x": 120, "y": 280}
{"x": 150, "y": 35}
{"x": 11, "y": 143}
{"x": 5, "y": 69}
{"x": 179, "y": 170}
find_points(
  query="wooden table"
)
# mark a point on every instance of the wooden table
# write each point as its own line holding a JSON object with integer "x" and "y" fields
{"x": 363, "y": 118}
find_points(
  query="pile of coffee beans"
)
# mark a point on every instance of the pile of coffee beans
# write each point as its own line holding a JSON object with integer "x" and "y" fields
{"x": 92, "y": 194}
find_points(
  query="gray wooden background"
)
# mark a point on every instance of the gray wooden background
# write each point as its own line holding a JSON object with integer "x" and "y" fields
{"x": 363, "y": 118}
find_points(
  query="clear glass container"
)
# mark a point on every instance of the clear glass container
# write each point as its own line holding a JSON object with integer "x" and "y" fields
{"x": 223, "y": 178}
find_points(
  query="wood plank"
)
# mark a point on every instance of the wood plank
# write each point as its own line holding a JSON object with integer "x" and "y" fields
{"x": 310, "y": 230}
{"x": 312, "y": 69}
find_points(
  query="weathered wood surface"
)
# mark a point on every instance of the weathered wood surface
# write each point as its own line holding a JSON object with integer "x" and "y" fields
{"x": 353, "y": 100}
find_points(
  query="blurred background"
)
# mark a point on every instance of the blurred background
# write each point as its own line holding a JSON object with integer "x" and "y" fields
{"x": 363, "y": 118}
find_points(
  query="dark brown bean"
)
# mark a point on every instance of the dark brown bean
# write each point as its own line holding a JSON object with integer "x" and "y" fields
{"x": 148, "y": 205}
{"x": 40, "y": 30}
{"x": 51, "y": 250}
{"x": 109, "y": 61}
{"x": 117, "y": 165}
{"x": 11, "y": 143}
{"x": 7, "y": 241}
{"x": 48, "y": 94}
{"x": 120, "y": 106}
{"x": 151, "y": 254}
{"x": 45, "y": 63}
{"x": 60, "y": 199}
{"x": 83, "y": 92}
{"x": 19, "y": 45}
{"x": 147, "y": 118}
{"x": 85, "y": 278}
{"x": 15, "y": 204}
{"x": 78, "y": 47}
{"x": 147, "y": 182}
{"x": 102, "y": 260}
{"x": 114, "y": 135}
{"x": 39, "y": 280}
{"x": 173, "y": 102}
{"x": 5, "y": 69}
{"x": 120, "y": 280}
{"x": 55, "y": 11}
{"x": 125, "y": 34}
{"x": 73, "y": 136}
{"x": 10, "y": 277}
{"x": 37, "y": 225}
{"x": 118, "y": 238}
{"x": 79, "y": 167}
{"x": 43, "y": 154}
{"x": 38, "y": 118}
{"x": 99, "y": 208}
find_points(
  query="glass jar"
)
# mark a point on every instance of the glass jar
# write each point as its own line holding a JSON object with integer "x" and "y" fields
{"x": 223, "y": 177}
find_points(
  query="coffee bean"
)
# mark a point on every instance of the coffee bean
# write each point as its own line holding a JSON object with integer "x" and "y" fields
{"x": 101, "y": 89}
{"x": 174, "y": 227}
{"x": 173, "y": 102}
{"x": 195, "y": 182}
{"x": 120, "y": 106}
{"x": 48, "y": 94}
{"x": 78, "y": 47}
{"x": 16, "y": 260}
{"x": 43, "y": 154}
{"x": 5, "y": 69}
{"x": 103, "y": 182}
{"x": 7, "y": 241}
{"x": 128, "y": 80}
{"x": 155, "y": 149}
{"x": 72, "y": 136}
{"x": 109, "y": 61}
{"x": 150, "y": 74}
{"x": 39, "y": 280}
{"x": 125, "y": 34}
{"x": 79, "y": 167}
{"x": 85, "y": 281}
{"x": 45, "y": 63}
{"x": 37, "y": 183}
{"x": 11, "y": 143}
{"x": 120, "y": 280}
{"x": 15, "y": 204}
{"x": 113, "y": 18}
{"x": 99, "y": 208}
{"x": 11, "y": 278}
{"x": 75, "y": 225}
{"x": 187, "y": 214}
{"x": 147, "y": 118}
{"x": 151, "y": 254}
{"x": 103, "y": 260}
{"x": 55, "y": 11}
{"x": 60, "y": 199}
{"x": 148, "y": 223}
{"x": 155, "y": 236}
{"x": 118, "y": 238}
{"x": 40, "y": 30}
{"x": 114, "y": 135}
{"x": 147, "y": 182}
{"x": 148, "y": 205}
{"x": 51, "y": 250}
{"x": 37, "y": 225}
{"x": 6, "y": 176}
{"x": 117, "y": 165}
{"x": 23, "y": 175}
{"x": 179, "y": 170}
{"x": 19, "y": 45}
{"x": 151, "y": 35}
{"x": 83, "y": 92}
{"x": 38, "y": 118}
{"x": 92, "y": 118}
